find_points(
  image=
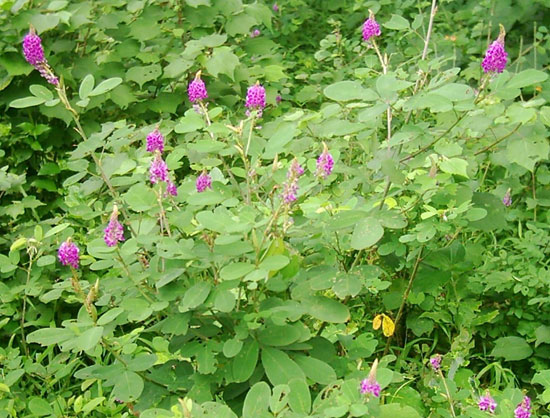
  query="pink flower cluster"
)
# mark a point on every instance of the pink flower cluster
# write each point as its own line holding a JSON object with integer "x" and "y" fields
{"x": 34, "y": 54}
{"x": 496, "y": 56}
{"x": 523, "y": 410}
{"x": 290, "y": 190}
{"x": 371, "y": 28}
{"x": 255, "y": 99}
{"x": 196, "y": 90}
{"x": 325, "y": 163}
{"x": 487, "y": 403}
{"x": 68, "y": 254}
{"x": 114, "y": 232}
{"x": 204, "y": 181}
{"x": 158, "y": 170}
{"x": 370, "y": 385}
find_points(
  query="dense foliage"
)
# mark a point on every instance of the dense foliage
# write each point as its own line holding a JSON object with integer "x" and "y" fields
{"x": 350, "y": 219}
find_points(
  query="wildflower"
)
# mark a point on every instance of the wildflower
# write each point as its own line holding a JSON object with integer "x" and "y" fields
{"x": 255, "y": 33}
{"x": 158, "y": 169}
{"x": 114, "y": 231}
{"x": 487, "y": 403}
{"x": 290, "y": 191}
{"x": 523, "y": 410}
{"x": 34, "y": 54}
{"x": 325, "y": 163}
{"x": 278, "y": 98}
{"x": 370, "y": 27}
{"x": 197, "y": 89}
{"x": 155, "y": 141}
{"x": 204, "y": 181}
{"x": 370, "y": 385}
{"x": 275, "y": 7}
{"x": 496, "y": 56}
{"x": 255, "y": 98}
{"x": 171, "y": 188}
{"x": 68, "y": 254}
{"x": 507, "y": 199}
{"x": 435, "y": 362}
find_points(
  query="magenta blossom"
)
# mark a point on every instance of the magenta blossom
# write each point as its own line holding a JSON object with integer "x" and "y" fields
{"x": 275, "y": 7}
{"x": 255, "y": 98}
{"x": 507, "y": 198}
{"x": 114, "y": 232}
{"x": 171, "y": 188}
{"x": 155, "y": 141}
{"x": 255, "y": 33}
{"x": 158, "y": 171}
{"x": 68, "y": 254}
{"x": 204, "y": 181}
{"x": 290, "y": 188}
{"x": 370, "y": 385}
{"x": 197, "y": 89}
{"x": 34, "y": 54}
{"x": 325, "y": 163}
{"x": 371, "y": 27}
{"x": 496, "y": 56}
{"x": 435, "y": 362}
{"x": 523, "y": 410}
{"x": 487, "y": 403}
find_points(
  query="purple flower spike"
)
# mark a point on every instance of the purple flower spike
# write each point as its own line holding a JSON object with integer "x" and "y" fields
{"x": 325, "y": 163}
{"x": 204, "y": 181}
{"x": 34, "y": 54}
{"x": 275, "y": 7}
{"x": 507, "y": 199}
{"x": 197, "y": 89}
{"x": 370, "y": 385}
{"x": 487, "y": 403}
{"x": 255, "y": 33}
{"x": 278, "y": 98}
{"x": 171, "y": 188}
{"x": 155, "y": 141}
{"x": 523, "y": 410}
{"x": 68, "y": 254}
{"x": 496, "y": 56}
{"x": 32, "y": 48}
{"x": 158, "y": 171}
{"x": 114, "y": 231}
{"x": 371, "y": 27}
{"x": 435, "y": 362}
{"x": 255, "y": 98}
{"x": 290, "y": 189}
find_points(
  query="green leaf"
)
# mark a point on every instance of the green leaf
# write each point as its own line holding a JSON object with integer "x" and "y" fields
{"x": 222, "y": 61}
{"x": 225, "y": 301}
{"x": 512, "y": 349}
{"x": 86, "y": 86}
{"x": 299, "y": 398}
{"x": 326, "y": 309}
{"x": 240, "y": 24}
{"x": 543, "y": 335}
{"x": 366, "y": 233}
{"x": 257, "y": 400}
{"x": 109, "y": 316}
{"x": 56, "y": 230}
{"x": 128, "y": 386}
{"x": 49, "y": 336}
{"x": 527, "y": 151}
{"x": 140, "y": 198}
{"x": 397, "y": 23}
{"x": 89, "y": 339}
{"x": 232, "y": 347}
{"x": 455, "y": 92}
{"x": 41, "y": 91}
{"x": 107, "y": 85}
{"x": 527, "y": 78}
{"x": 39, "y": 407}
{"x": 274, "y": 263}
{"x": 278, "y": 366}
{"x": 396, "y": 410}
{"x": 27, "y": 102}
{"x": 45, "y": 260}
{"x": 279, "y": 335}
{"x": 142, "y": 75}
{"x": 344, "y": 91}
{"x": 245, "y": 362}
{"x": 456, "y": 166}
{"x": 316, "y": 370}
{"x": 195, "y": 296}
{"x": 236, "y": 270}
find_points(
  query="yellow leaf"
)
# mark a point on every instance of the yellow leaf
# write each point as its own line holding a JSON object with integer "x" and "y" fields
{"x": 388, "y": 327}
{"x": 377, "y": 321}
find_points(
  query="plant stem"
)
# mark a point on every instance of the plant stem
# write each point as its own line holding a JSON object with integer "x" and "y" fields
{"x": 448, "y": 393}
{"x": 498, "y": 141}
{"x": 24, "y": 309}
{"x": 405, "y": 296}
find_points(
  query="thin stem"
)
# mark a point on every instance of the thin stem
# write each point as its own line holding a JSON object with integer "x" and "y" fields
{"x": 498, "y": 141}
{"x": 24, "y": 309}
{"x": 252, "y": 122}
{"x": 430, "y": 26}
{"x": 448, "y": 393}
{"x": 405, "y": 297}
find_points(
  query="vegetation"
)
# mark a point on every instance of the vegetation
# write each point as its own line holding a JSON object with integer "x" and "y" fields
{"x": 297, "y": 209}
